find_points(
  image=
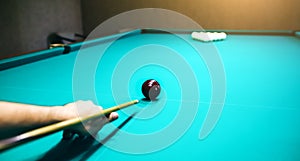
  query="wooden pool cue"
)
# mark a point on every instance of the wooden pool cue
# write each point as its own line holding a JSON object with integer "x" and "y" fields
{"x": 46, "y": 130}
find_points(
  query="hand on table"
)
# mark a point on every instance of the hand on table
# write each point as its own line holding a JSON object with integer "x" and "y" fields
{"x": 17, "y": 118}
{"x": 82, "y": 109}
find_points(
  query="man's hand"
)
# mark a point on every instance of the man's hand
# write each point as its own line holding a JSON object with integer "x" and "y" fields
{"x": 82, "y": 109}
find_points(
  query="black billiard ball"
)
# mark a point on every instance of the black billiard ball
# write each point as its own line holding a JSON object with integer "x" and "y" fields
{"x": 151, "y": 89}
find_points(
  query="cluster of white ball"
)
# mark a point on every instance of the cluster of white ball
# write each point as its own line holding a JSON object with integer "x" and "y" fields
{"x": 209, "y": 36}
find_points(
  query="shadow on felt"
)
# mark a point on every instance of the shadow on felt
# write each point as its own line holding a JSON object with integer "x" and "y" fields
{"x": 81, "y": 149}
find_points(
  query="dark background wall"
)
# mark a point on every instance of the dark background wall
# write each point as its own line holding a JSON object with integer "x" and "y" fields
{"x": 210, "y": 14}
{"x": 25, "y": 24}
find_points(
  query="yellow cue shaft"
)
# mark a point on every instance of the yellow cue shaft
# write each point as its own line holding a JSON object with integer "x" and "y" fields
{"x": 46, "y": 130}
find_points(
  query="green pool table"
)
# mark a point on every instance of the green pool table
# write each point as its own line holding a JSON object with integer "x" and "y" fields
{"x": 236, "y": 99}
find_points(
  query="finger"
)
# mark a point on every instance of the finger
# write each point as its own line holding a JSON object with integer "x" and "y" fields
{"x": 99, "y": 123}
{"x": 113, "y": 116}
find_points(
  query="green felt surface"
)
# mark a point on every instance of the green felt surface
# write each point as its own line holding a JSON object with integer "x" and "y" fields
{"x": 260, "y": 119}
